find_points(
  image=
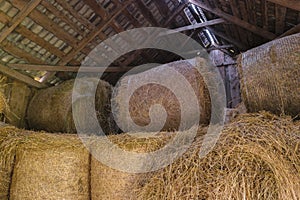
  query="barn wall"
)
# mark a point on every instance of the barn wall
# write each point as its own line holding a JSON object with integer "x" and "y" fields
{"x": 228, "y": 70}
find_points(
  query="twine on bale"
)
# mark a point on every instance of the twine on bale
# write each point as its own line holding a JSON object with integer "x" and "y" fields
{"x": 257, "y": 157}
{"x": 139, "y": 104}
{"x": 50, "y": 166}
{"x": 270, "y": 76}
{"x": 51, "y": 108}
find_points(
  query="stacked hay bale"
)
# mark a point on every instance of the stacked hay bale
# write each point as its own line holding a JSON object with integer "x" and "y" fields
{"x": 150, "y": 93}
{"x": 9, "y": 141}
{"x": 50, "y": 166}
{"x": 270, "y": 76}
{"x": 109, "y": 183}
{"x": 257, "y": 157}
{"x": 51, "y": 108}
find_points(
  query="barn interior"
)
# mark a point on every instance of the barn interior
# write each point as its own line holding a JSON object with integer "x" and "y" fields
{"x": 52, "y": 53}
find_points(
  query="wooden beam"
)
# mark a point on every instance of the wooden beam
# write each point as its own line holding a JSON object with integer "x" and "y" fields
{"x": 235, "y": 20}
{"x": 294, "y": 30}
{"x": 19, "y": 18}
{"x": 4, "y": 19}
{"x": 146, "y": 13}
{"x": 280, "y": 13}
{"x": 99, "y": 10}
{"x": 264, "y": 14}
{"x": 21, "y": 77}
{"x": 240, "y": 45}
{"x": 292, "y": 4}
{"x": 47, "y": 23}
{"x": 19, "y": 53}
{"x": 91, "y": 36}
{"x": 40, "y": 41}
{"x": 175, "y": 13}
{"x": 195, "y": 26}
{"x": 63, "y": 68}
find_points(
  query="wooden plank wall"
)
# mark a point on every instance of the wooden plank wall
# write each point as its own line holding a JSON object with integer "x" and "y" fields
{"x": 228, "y": 70}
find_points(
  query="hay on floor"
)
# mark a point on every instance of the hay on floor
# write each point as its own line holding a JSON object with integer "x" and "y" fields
{"x": 257, "y": 157}
{"x": 50, "y": 166}
{"x": 270, "y": 76}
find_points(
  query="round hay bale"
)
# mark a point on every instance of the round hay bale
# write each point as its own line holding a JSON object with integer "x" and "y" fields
{"x": 51, "y": 108}
{"x": 150, "y": 94}
{"x": 9, "y": 140}
{"x": 257, "y": 157}
{"x": 270, "y": 76}
{"x": 109, "y": 183}
{"x": 50, "y": 166}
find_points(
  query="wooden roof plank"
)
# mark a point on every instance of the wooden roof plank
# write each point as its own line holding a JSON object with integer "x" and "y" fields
{"x": 62, "y": 16}
{"x": 40, "y": 41}
{"x": 24, "y": 12}
{"x": 98, "y": 9}
{"x": 146, "y": 13}
{"x": 73, "y": 12}
{"x": 292, "y": 4}
{"x": 19, "y": 53}
{"x": 21, "y": 77}
{"x": 48, "y": 24}
{"x": 235, "y": 20}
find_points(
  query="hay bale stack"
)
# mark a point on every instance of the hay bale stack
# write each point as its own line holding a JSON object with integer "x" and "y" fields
{"x": 51, "y": 108}
{"x": 51, "y": 166}
{"x": 270, "y": 76}
{"x": 150, "y": 94}
{"x": 109, "y": 183}
{"x": 9, "y": 140}
{"x": 257, "y": 157}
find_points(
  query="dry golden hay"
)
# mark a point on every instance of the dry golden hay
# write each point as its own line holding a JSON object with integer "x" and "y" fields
{"x": 270, "y": 76}
{"x": 150, "y": 93}
{"x": 51, "y": 108}
{"x": 50, "y": 166}
{"x": 257, "y": 157}
{"x": 109, "y": 183}
{"x": 10, "y": 138}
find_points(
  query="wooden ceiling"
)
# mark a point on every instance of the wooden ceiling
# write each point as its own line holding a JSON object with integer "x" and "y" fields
{"x": 43, "y": 42}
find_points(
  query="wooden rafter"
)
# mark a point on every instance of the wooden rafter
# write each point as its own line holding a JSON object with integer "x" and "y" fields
{"x": 235, "y": 20}
{"x": 63, "y": 68}
{"x": 196, "y": 26}
{"x": 238, "y": 44}
{"x": 99, "y": 10}
{"x": 292, "y": 4}
{"x": 146, "y": 13}
{"x": 294, "y": 30}
{"x": 47, "y": 23}
{"x": 21, "y": 77}
{"x": 25, "y": 10}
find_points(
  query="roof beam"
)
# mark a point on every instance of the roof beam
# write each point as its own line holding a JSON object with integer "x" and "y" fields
{"x": 196, "y": 26}
{"x": 294, "y": 30}
{"x": 63, "y": 68}
{"x": 146, "y": 12}
{"x": 240, "y": 45}
{"x": 99, "y": 10}
{"x": 21, "y": 77}
{"x": 292, "y": 4}
{"x": 20, "y": 17}
{"x": 235, "y": 20}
